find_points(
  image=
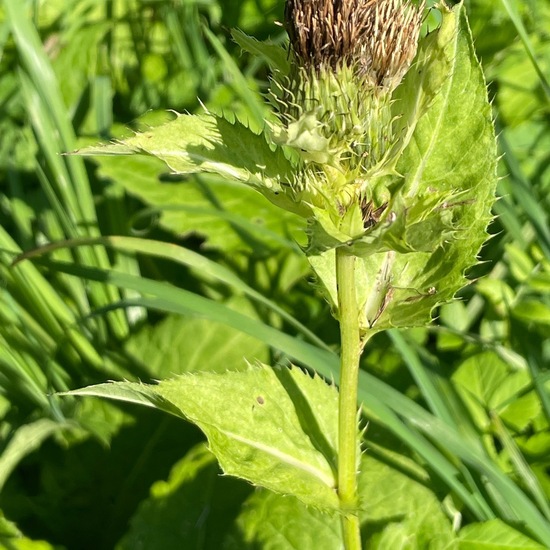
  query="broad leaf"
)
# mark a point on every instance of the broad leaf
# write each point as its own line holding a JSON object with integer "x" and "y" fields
{"x": 495, "y": 535}
{"x": 177, "y": 344}
{"x": 401, "y": 512}
{"x": 192, "y": 509}
{"x": 268, "y": 520}
{"x": 228, "y": 215}
{"x": 486, "y": 385}
{"x": 274, "y": 427}
{"x": 398, "y": 512}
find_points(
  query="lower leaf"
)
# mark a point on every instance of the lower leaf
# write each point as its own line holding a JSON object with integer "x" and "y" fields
{"x": 276, "y": 428}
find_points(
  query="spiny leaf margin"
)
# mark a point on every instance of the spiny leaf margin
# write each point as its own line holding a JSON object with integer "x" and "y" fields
{"x": 277, "y": 429}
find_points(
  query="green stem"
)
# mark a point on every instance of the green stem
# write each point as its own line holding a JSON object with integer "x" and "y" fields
{"x": 347, "y": 412}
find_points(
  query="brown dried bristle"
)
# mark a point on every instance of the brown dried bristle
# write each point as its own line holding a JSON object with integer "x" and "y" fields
{"x": 378, "y": 37}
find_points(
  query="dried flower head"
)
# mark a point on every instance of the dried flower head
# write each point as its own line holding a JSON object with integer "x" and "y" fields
{"x": 378, "y": 37}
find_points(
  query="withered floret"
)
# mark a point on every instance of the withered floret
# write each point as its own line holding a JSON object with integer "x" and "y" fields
{"x": 377, "y": 37}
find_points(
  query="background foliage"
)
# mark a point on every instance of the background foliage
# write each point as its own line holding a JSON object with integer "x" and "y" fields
{"x": 460, "y": 445}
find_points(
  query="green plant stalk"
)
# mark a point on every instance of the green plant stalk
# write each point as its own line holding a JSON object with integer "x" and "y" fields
{"x": 347, "y": 402}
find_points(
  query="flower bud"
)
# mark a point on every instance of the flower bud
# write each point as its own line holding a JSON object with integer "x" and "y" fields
{"x": 336, "y": 104}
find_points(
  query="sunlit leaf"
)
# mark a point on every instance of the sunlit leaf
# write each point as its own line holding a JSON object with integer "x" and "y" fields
{"x": 274, "y": 427}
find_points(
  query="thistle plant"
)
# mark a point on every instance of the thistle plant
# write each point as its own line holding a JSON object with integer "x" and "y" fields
{"x": 383, "y": 141}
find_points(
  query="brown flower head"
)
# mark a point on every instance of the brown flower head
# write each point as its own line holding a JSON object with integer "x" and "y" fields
{"x": 377, "y": 37}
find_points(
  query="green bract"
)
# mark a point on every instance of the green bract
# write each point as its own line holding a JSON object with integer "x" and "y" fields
{"x": 400, "y": 170}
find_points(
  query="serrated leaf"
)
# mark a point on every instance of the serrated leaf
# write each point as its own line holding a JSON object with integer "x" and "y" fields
{"x": 274, "y": 55}
{"x": 208, "y": 143}
{"x": 274, "y": 428}
{"x": 494, "y": 535}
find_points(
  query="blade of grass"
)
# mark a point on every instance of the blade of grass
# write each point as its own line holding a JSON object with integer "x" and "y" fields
{"x": 372, "y": 391}
{"x": 452, "y": 441}
{"x": 202, "y": 265}
{"x": 422, "y": 377}
{"x": 53, "y": 127}
{"x": 531, "y": 349}
{"x": 42, "y": 300}
{"x": 19, "y": 373}
{"x": 248, "y": 230}
{"x": 177, "y": 300}
{"x": 522, "y": 190}
{"x": 256, "y": 107}
{"x": 516, "y": 20}
{"x": 522, "y": 468}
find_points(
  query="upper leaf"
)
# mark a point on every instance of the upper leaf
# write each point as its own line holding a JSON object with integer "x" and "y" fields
{"x": 276, "y": 56}
{"x": 209, "y": 143}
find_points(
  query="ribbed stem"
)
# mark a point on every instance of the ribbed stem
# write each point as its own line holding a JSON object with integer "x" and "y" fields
{"x": 347, "y": 414}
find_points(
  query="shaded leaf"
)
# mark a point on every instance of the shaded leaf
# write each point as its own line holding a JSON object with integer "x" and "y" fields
{"x": 269, "y": 520}
{"x": 26, "y": 439}
{"x": 229, "y": 215}
{"x": 193, "y": 508}
{"x": 400, "y": 512}
{"x": 11, "y": 538}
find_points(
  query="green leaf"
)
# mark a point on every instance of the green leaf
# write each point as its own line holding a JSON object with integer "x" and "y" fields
{"x": 533, "y": 311}
{"x": 495, "y": 535}
{"x": 229, "y": 215}
{"x": 192, "y": 509}
{"x": 274, "y": 55}
{"x": 208, "y": 143}
{"x": 486, "y": 384}
{"x": 499, "y": 294}
{"x": 273, "y": 427}
{"x": 521, "y": 264}
{"x": 395, "y": 509}
{"x": 269, "y": 520}
{"x": 26, "y": 439}
{"x": 164, "y": 349}
{"x": 11, "y": 538}
{"x": 401, "y": 512}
